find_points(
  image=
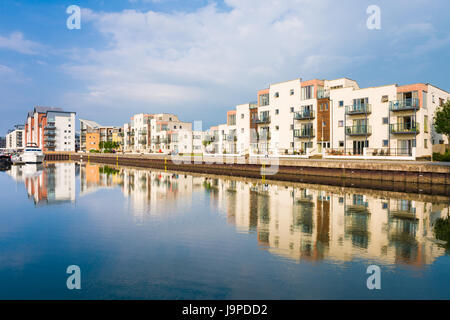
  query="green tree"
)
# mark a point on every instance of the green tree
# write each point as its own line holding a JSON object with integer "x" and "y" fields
{"x": 442, "y": 119}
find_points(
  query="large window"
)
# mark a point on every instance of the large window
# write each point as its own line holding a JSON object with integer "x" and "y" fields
{"x": 264, "y": 99}
{"x": 307, "y": 92}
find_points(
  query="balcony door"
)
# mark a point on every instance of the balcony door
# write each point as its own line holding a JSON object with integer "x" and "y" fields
{"x": 358, "y": 146}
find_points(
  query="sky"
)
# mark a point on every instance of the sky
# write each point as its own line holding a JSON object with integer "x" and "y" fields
{"x": 198, "y": 58}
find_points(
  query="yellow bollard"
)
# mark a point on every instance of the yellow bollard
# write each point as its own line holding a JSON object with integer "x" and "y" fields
{"x": 264, "y": 173}
{"x": 165, "y": 164}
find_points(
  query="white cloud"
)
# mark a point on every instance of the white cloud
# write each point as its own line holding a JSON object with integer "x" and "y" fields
{"x": 212, "y": 57}
{"x": 16, "y": 42}
{"x": 9, "y": 75}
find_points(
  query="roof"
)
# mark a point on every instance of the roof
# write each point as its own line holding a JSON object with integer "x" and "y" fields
{"x": 91, "y": 123}
{"x": 45, "y": 109}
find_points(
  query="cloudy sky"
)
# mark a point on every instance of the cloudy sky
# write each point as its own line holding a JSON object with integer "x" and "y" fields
{"x": 200, "y": 58}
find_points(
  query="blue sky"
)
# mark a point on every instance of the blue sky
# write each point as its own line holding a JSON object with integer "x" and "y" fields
{"x": 200, "y": 58}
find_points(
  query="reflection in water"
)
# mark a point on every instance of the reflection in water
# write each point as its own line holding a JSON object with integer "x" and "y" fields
{"x": 295, "y": 221}
{"x": 49, "y": 184}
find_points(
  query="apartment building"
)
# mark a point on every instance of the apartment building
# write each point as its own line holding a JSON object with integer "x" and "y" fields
{"x": 51, "y": 129}
{"x": 15, "y": 139}
{"x": 92, "y": 133}
{"x": 388, "y": 120}
{"x": 337, "y": 118}
{"x": 170, "y": 135}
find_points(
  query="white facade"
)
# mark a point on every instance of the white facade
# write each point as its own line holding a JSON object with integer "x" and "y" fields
{"x": 15, "y": 139}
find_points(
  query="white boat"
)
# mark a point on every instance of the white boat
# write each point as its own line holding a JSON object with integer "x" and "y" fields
{"x": 32, "y": 155}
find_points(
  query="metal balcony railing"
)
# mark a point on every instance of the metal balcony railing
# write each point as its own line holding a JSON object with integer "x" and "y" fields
{"x": 304, "y": 115}
{"x": 405, "y": 128}
{"x": 403, "y": 105}
{"x": 304, "y": 133}
{"x": 262, "y": 120}
{"x": 358, "y": 130}
{"x": 358, "y": 109}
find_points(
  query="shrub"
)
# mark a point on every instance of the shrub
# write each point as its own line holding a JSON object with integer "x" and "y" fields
{"x": 441, "y": 157}
{"x": 442, "y": 231}
{"x": 94, "y": 151}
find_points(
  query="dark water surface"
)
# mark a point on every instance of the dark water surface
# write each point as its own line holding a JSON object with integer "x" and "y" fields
{"x": 141, "y": 233}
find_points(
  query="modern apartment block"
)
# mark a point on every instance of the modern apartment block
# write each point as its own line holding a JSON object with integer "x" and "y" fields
{"x": 51, "y": 129}
{"x": 335, "y": 119}
{"x": 15, "y": 139}
{"x": 157, "y": 133}
{"x": 91, "y": 134}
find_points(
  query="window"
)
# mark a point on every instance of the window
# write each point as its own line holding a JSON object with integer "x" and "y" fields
{"x": 341, "y": 123}
{"x": 242, "y": 130}
{"x": 341, "y": 144}
{"x": 384, "y": 98}
{"x": 181, "y": 127}
{"x": 292, "y": 109}
{"x": 292, "y": 127}
{"x": 324, "y": 124}
{"x": 277, "y": 111}
{"x": 385, "y": 143}
{"x": 291, "y": 92}
{"x": 425, "y": 123}
{"x": 432, "y": 98}
{"x": 307, "y": 92}
{"x": 341, "y": 103}
{"x": 242, "y": 116}
{"x": 292, "y": 144}
{"x": 326, "y": 105}
{"x": 385, "y": 120}
{"x": 264, "y": 99}
{"x": 276, "y": 95}
{"x": 425, "y": 143}
{"x": 277, "y": 127}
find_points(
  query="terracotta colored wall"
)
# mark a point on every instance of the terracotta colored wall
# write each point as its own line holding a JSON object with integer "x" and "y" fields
{"x": 323, "y": 116}
{"x": 419, "y": 87}
{"x": 92, "y": 141}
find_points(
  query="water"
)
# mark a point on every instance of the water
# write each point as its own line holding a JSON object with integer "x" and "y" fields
{"x": 140, "y": 233}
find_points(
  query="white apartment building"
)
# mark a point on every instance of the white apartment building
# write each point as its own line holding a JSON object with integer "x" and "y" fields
{"x": 336, "y": 119}
{"x": 51, "y": 129}
{"x": 15, "y": 138}
{"x": 170, "y": 135}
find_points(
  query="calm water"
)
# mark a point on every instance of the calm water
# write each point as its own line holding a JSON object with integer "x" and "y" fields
{"x": 140, "y": 233}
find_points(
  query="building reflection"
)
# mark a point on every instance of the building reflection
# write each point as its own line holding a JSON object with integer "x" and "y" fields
{"x": 47, "y": 184}
{"x": 295, "y": 221}
{"x": 292, "y": 220}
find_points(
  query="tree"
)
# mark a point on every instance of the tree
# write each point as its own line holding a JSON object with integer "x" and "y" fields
{"x": 442, "y": 119}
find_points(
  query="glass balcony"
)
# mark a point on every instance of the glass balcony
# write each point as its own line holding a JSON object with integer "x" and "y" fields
{"x": 304, "y": 115}
{"x": 405, "y": 128}
{"x": 358, "y": 130}
{"x": 358, "y": 109}
{"x": 304, "y": 133}
{"x": 322, "y": 94}
{"x": 231, "y": 137}
{"x": 403, "y": 105}
{"x": 264, "y": 135}
{"x": 49, "y": 139}
{"x": 49, "y": 133}
{"x": 262, "y": 120}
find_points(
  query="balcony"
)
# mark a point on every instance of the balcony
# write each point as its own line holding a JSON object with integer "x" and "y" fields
{"x": 143, "y": 132}
{"x": 304, "y": 115}
{"x": 49, "y": 139}
{"x": 50, "y": 127}
{"x": 264, "y": 136}
{"x": 358, "y": 109}
{"x": 262, "y": 120}
{"x": 405, "y": 128}
{"x": 304, "y": 133}
{"x": 143, "y": 141}
{"x": 358, "y": 130}
{"x": 156, "y": 141}
{"x": 49, "y": 133}
{"x": 50, "y": 145}
{"x": 323, "y": 94}
{"x": 404, "y": 105}
{"x": 231, "y": 137}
